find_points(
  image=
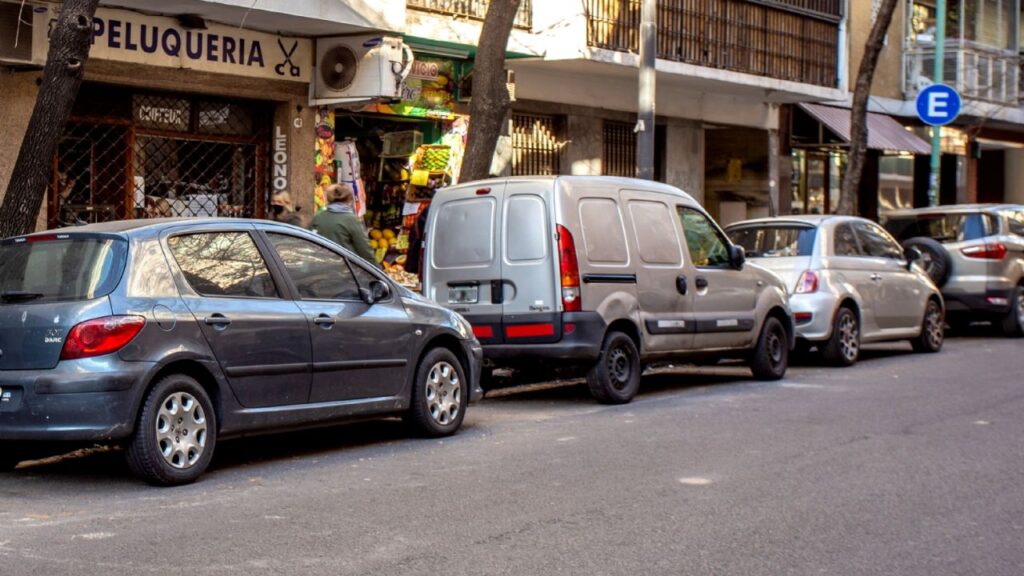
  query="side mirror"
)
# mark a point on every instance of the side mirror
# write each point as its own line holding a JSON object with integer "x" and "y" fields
{"x": 737, "y": 256}
{"x": 376, "y": 292}
{"x": 912, "y": 254}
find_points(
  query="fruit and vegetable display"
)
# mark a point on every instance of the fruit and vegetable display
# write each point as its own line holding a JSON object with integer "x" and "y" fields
{"x": 398, "y": 273}
{"x": 433, "y": 158}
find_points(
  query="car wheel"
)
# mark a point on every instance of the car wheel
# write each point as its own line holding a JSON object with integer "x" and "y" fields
{"x": 615, "y": 378}
{"x": 771, "y": 356}
{"x": 934, "y": 261}
{"x": 843, "y": 347}
{"x": 176, "y": 433}
{"x": 439, "y": 395}
{"x": 1013, "y": 323}
{"x": 932, "y": 330}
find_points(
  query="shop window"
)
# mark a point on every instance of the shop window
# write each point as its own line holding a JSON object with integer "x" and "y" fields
{"x": 536, "y": 145}
{"x": 223, "y": 264}
{"x": 896, "y": 182}
{"x": 619, "y": 149}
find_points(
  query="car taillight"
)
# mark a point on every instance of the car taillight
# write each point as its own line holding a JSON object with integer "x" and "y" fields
{"x": 987, "y": 251}
{"x": 807, "y": 283}
{"x": 101, "y": 336}
{"x": 570, "y": 279}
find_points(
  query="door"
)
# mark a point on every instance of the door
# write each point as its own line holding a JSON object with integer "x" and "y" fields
{"x": 724, "y": 297}
{"x": 852, "y": 266}
{"x": 900, "y": 304}
{"x": 664, "y": 282}
{"x": 260, "y": 339}
{"x": 529, "y": 297}
{"x": 360, "y": 351}
{"x": 463, "y": 268}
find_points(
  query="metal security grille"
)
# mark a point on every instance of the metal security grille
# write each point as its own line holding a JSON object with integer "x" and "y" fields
{"x": 619, "y": 157}
{"x": 536, "y": 145}
{"x": 793, "y": 40}
{"x": 140, "y": 155}
{"x": 476, "y": 9}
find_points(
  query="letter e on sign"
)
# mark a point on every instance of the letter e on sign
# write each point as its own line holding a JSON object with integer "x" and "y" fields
{"x": 938, "y": 105}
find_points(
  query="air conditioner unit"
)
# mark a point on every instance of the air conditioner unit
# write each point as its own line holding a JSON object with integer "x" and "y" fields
{"x": 354, "y": 69}
{"x": 23, "y": 33}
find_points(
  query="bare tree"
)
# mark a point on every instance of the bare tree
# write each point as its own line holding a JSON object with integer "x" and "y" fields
{"x": 70, "y": 40}
{"x": 490, "y": 102}
{"x": 859, "y": 112}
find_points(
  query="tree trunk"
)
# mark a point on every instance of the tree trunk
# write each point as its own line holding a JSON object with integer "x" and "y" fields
{"x": 490, "y": 102}
{"x": 62, "y": 77}
{"x": 859, "y": 112}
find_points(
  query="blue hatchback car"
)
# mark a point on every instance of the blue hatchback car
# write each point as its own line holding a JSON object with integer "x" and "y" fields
{"x": 168, "y": 335}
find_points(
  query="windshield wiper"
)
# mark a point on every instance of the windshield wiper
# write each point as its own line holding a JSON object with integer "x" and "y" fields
{"x": 17, "y": 296}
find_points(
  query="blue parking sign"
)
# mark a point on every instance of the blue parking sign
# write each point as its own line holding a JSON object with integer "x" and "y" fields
{"x": 938, "y": 105}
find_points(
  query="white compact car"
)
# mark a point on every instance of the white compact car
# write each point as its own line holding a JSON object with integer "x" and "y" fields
{"x": 849, "y": 281}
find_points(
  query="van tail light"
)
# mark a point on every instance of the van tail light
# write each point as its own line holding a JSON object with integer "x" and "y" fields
{"x": 570, "y": 271}
{"x": 807, "y": 283}
{"x": 987, "y": 251}
{"x": 101, "y": 336}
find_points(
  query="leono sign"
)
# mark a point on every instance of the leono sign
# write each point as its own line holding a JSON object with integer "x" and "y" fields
{"x": 126, "y": 36}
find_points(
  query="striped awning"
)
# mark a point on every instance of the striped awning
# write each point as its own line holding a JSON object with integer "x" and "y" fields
{"x": 884, "y": 133}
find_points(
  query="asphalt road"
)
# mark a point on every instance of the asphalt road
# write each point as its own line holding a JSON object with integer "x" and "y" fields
{"x": 905, "y": 464}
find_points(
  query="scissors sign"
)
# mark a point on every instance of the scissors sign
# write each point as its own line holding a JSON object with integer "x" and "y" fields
{"x": 288, "y": 53}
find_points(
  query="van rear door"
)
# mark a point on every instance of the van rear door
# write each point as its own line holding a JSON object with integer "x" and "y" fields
{"x": 463, "y": 263}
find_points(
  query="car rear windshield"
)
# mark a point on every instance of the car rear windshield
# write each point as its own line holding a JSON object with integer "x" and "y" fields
{"x": 57, "y": 268}
{"x": 941, "y": 227}
{"x": 775, "y": 241}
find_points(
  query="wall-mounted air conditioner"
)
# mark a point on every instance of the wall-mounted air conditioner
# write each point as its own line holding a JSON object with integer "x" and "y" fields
{"x": 23, "y": 32}
{"x": 353, "y": 69}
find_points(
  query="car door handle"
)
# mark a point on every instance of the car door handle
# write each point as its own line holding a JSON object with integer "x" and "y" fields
{"x": 681, "y": 286}
{"x": 324, "y": 321}
{"x": 701, "y": 282}
{"x": 217, "y": 321}
{"x": 876, "y": 277}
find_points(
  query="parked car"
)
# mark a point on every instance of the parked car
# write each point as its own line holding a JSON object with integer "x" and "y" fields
{"x": 849, "y": 282}
{"x": 602, "y": 273}
{"x": 975, "y": 254}
{"x": 171, "y": 335}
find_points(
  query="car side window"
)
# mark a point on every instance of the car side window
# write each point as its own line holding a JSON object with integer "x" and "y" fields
{"x": 1016, "y": 221}
{"x": 844, "y": 242}
{"x": 318, "y": 273}
{"x": 708, "y": 249}
{"x": 876, "y": 243}
{"x": 223, "y": 264}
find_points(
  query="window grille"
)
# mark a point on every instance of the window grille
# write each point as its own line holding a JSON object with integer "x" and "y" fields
{"x": 536, "y": 145}
{"x": 619, "y": 157}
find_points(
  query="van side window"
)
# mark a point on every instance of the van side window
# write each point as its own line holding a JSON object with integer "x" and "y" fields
{"x": 656, "y": 238}
{"x": 603, "y": 234}
{"x": 708, "y": 249}
{"x": 473, "y": 243}
{"x": 526, "y": 222}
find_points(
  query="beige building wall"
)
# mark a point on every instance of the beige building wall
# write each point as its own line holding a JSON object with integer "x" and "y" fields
{"x": 887, "y": 82}
{"x": 17, "y": 98}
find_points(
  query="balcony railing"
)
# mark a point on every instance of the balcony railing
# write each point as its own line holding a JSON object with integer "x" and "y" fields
{"x": 794, "y": 40}
{"x": 475, "y": 9}
{"x": 977, "y": 72}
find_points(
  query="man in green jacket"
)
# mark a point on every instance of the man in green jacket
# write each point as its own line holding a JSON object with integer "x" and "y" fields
{"x": 340, "y": 224}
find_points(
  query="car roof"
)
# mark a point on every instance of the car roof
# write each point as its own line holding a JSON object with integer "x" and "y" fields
{"x": 134, "y": 227}
{"x": 818, "y": 220}
{"x": 621, "y": 181}
{"x": 952, "y": 209}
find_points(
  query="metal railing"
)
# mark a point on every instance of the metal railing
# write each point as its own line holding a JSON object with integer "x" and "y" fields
{"x": 795, "y": 40}
{"x": 618, "y": 156}
{"x": 977, "y": 72}
{"x": 537, "y": 142}
{"x": 475, "y": 9}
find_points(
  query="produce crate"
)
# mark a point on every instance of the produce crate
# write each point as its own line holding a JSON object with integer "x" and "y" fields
{"x": 433, "y": 158}
{"x": 405, "y": 143}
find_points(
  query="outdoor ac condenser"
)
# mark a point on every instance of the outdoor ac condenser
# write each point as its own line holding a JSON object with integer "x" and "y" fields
{"x": 23, "y": 33}
{"x": 353, "y": 69}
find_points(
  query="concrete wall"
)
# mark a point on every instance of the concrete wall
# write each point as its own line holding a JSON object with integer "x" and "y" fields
{"x": 684, "y": 157}
{"x": 17, "y": 98}
{"x": 887, "y": 81}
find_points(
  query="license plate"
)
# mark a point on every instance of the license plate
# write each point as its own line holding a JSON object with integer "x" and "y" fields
{"x": 463, "y": 294}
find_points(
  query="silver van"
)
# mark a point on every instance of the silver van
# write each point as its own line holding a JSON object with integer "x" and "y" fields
{"x": 602, "y": 273}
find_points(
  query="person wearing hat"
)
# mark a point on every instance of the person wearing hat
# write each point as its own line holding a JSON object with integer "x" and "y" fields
{"x": 282, "y": 209}
{"x": 339, "y": 223}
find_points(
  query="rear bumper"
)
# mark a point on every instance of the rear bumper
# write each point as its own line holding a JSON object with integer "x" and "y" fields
{"x": 82, "y": 400}
{"x": 581, "y": 345}
{"x": 995, "y": 302}
{"x": 821, "y": 307}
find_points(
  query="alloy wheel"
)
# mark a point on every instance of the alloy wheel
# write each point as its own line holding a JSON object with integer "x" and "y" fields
{"x": 849, "y": 337}
{"x": 444, "y": 393}
{"x": 933, "y": 325}
{"x": 1020, "y": 310}
{"x": 181, "y": 430}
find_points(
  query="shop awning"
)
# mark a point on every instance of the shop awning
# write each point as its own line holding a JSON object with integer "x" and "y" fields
{"x": 454, "y": 49}
{"x": 884, "y": 133}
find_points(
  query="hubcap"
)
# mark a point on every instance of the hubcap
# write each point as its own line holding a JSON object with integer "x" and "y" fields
{"x": 619, "y": 368}
{"x": 933, "y": 325}
{"x": 849, "y": 337}
{"x": 181, "y": 430}
{"x": 444, "y": 393}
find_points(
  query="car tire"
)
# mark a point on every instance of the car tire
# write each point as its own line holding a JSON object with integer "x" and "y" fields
{"x": 176, "y": 433}
{"x": 615, "y": 378}
{"x": 439, "y": 395}
{"x": 771, "y": 355}
{"x": 932, "y": 330}
{"x": 9, "y": 458}
{"x": 843, "y": 347}
{"x": 1013, "y": 322}
{"x": 935, "y": 259}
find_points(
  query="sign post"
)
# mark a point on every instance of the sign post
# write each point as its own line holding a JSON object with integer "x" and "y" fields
{"x": 937, "y": 105}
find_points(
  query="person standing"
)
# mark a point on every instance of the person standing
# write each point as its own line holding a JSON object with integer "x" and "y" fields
{"x": 282, "y": 209}
{"x": 339, "y": 223}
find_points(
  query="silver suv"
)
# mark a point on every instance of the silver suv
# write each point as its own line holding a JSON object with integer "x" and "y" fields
{"x": 975, "y": 254}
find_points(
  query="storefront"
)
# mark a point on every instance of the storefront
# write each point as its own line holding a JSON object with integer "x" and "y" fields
{"x": 395, "y": 156}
